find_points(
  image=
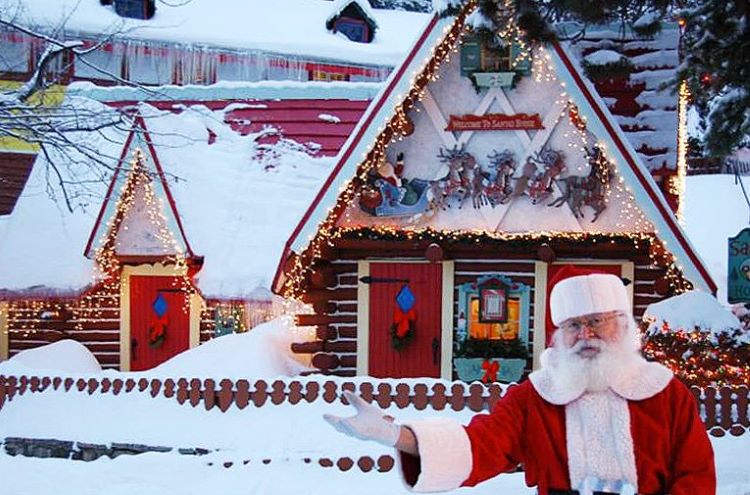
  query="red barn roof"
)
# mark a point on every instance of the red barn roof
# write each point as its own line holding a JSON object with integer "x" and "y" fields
{"x": 323, "y": 122}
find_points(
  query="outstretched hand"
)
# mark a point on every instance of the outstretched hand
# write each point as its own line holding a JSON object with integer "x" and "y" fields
{"x": 368, "y": 424}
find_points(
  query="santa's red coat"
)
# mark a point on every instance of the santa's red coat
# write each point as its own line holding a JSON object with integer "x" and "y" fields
{"x": 672, "y": 451}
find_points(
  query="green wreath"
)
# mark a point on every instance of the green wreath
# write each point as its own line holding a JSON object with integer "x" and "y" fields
{"x": 399, "y": 343}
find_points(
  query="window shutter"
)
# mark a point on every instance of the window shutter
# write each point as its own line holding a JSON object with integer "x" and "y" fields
{"x": 470, "y": 56}
{"x": 523, "y": 66}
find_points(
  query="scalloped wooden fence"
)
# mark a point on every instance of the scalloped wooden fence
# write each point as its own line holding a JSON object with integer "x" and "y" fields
{"x": 723, "y": 410}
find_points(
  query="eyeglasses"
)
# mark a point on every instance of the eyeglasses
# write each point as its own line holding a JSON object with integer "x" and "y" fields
{"x": 594, "y": 323}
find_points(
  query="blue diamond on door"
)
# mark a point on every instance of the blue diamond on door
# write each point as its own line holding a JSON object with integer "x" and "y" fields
{"x": 404, "y": 319}
{"x": 405, "y": 299}
{"x": 159, "y": 305}
{"x": 157, "y": 331}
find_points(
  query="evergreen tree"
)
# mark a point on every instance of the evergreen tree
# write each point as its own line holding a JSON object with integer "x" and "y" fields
{"x": 716, "y": 66}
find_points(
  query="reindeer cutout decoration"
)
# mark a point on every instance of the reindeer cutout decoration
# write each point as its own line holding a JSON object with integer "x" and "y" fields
{"x": 536, "y": 185}
{"x": 590, "y": 190}
{"x": 499, "y": 187}
{"x": 463, "y": 180}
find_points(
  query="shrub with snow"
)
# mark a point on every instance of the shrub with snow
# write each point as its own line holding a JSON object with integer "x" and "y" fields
{"x": 64, "y": 356}
{"x": 700, "y": 340}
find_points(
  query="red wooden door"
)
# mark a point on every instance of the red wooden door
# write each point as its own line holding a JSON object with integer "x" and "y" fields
{"x": 156, "y": 301}
{"x": 421, "y": 357}
{"x": 552, "y": 272}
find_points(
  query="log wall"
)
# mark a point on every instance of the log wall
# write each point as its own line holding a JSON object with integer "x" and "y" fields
{"x": 332, "y": 292}
{"x": 93, "y": 320}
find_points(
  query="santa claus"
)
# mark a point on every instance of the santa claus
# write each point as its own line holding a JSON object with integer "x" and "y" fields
{"x": 597, "y": 418}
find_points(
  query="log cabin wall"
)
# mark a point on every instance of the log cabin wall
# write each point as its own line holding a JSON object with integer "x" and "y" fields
{"x": 208, "y": 323}
{"x": 332, "y": 291}
{"x": 92, "y": 319}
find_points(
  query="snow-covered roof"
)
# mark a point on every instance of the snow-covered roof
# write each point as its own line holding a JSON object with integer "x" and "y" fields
{"x": 645, "y": 111}
{"x": 238, "y": 199}
{"x": 238, "y": 24}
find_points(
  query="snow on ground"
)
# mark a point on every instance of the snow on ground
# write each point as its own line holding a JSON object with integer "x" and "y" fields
{"x": 714, "y": 211}
{"x": 265, "y": 349}
{"x": 237, "y": 24}
{"x": 67, "y": 356}
{"x": 285, "y": 434}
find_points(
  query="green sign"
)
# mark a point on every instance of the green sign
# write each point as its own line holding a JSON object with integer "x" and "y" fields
{"x": 738, "y": 281}
{"x": 494, "y": 79}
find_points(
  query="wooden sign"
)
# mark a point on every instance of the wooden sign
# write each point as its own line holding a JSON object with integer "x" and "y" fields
{"x": 494, "y": 122}
{"x": 738, "y": 281}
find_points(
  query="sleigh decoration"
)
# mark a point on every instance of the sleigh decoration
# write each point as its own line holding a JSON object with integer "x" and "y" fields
{"x": 381, "y": 198}
{"x": 467, "y": 182}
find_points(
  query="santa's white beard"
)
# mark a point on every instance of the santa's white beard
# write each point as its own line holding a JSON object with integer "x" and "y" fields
{"x": 596, "y": 373}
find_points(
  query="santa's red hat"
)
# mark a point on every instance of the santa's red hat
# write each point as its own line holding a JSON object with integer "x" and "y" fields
{"x": 581, "y": 291}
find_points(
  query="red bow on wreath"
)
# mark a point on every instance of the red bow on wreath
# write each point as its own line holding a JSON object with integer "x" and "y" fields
{"x": 157, "y": 330}
{"x": 490, "y": 371}
{"x": 403, "y": 320}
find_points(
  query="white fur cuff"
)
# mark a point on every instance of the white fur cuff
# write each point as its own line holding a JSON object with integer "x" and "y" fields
{"x": 445, "y": 454}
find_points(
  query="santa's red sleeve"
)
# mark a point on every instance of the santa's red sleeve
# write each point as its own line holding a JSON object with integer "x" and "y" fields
{"x": 693, "y": 467}
{"x": 452, "y": 455}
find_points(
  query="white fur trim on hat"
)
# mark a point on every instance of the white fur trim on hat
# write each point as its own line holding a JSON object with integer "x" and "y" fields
{"x": 445, "y": 454}
{"x": 587, "y": 294}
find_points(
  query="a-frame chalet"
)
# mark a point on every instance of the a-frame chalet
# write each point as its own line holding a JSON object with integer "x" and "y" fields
{"x": 473, "y": 176}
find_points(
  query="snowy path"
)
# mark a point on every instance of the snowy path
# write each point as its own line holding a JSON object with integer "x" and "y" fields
{"x": 172, "y": 474}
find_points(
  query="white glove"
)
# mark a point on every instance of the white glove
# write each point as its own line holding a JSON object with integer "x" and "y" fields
{"x": 368, "y": 424}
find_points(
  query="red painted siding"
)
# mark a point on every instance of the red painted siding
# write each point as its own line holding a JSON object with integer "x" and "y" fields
{"x": 417, "y": 358}
{"x": 143, "y": 291}
{"x": 299, "y": 120}
{"x": 14, "y": 172}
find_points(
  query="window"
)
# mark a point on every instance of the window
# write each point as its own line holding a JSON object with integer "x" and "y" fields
{"x": 321, "y": 75}
{"x": 14, "y": 57}
{"x": 495, "y": 60}
{"x": 477, "y": 57}
{"x": 495, "y": 331}
{"x": 354, "y": 29}
{"x": 502, "y": 329}
{"x": 492, "y": 330}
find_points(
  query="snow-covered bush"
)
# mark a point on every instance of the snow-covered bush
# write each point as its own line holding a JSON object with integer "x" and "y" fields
{"x": 701, "y": 341}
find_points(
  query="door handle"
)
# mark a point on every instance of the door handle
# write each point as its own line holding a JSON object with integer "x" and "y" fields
{"x": 435, "y": 351}
{"x": 133, "y": 346}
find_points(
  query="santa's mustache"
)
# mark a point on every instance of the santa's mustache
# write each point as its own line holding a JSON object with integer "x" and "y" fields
{"x": 587, "y": 344}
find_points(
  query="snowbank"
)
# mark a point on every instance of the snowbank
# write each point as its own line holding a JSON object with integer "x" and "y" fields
{"x": 693, "y": 309}
{"x": 64, "y": 356}
{"x": 264, "y": 351}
